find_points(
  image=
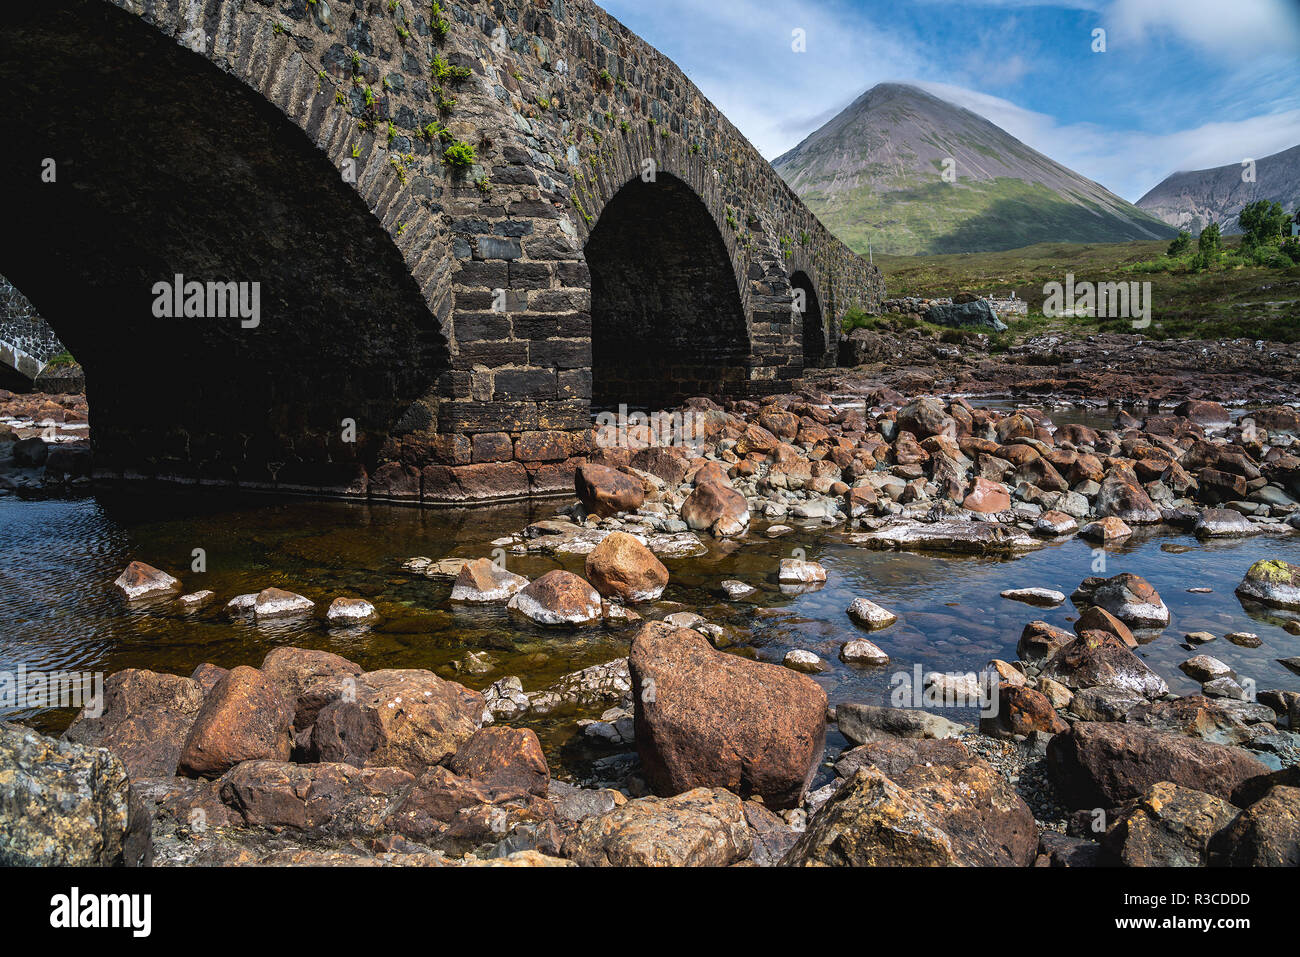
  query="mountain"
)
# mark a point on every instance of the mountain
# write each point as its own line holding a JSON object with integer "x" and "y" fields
{"x": 873, "y": 175}
{"x": 1193, "y": 200}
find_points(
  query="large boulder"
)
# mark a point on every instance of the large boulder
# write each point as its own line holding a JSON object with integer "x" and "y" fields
{"x": 65, "y": 804}
{"x": 1132, "y": 600}
{"x": 145, "y": 720}
{"x": 1096, "y": 658}
{"x": 1123, "y": 497}
{"x": 338, "y": 799}
{"x": 925, "y": 417}
{"x": 1272, "y": 582}
{"x": 708, "y": 719}
{"x": 701, "y": 828}
{"x": 483, "y": 581}
{"x": 1103, "y": 764}
{"x": 716, "y": 508}
{"x": 607, "y": 491}
{"x": 244, "y": 718}
{"x": 1168, "y": 826}
{"x": 861, "y": 723}
{"x": 505, "y": 758}
{"x": 959, "y": 315}
{"x": 294, "y": 670}
{"x": 408, "y": 719}
{"x": 558, "y": 598}
{"x": 1266, "y": 834}
{"x": 623, "y": 569}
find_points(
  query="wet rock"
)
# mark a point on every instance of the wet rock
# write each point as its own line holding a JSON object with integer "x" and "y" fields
{"x": 146, "y": 718}
{"x": 796, "y": 571}
{"x": 244, "y": 718}
{"x": 1096, "y": 618}
{"x": 1224, "y": 687}
{"x": 607, "y": 491}
{"x": 1244, "y": 639}
{"x": 987, "y": 497}
{"x": 869, "y": 615}
{"x": 1272, "y": 582}
{"x": 1096, "y": 658}
{"x": 862, "y": 652}
{"x": 337, "y": 799}
{"x": 861, "y": 723}
{"x": 1266, "y": 834}
{"x": 735, "y": 589}
{"x": 558, "y": 598}
{"x": 1039, "y": 641}
{"x": 1167, "y": 826}
{"x": 1022, "y": 711}
{"x": 590, "y": 686}
{"x": 803, "y": 661}
{"x": 1210, "y": 719}
{"x": 1224, "y": 523}
{"x": 483, "y": 581}
{"x": 278, "y": 603}
{"x": 716, "y": 508}
{"x": 350, "y": 611}
{"x": 1055, "y": 523}
{"x": 701, "y": 828}
{"x": 623, "y": 569}
{"x": 1042, "y": 597}
{"x": 408, "y": 719}
{"x": 195, "y": 599}
{"x": 1105, "y": 703}
{"x": 1209, "y": 414}
{"x": 1132, "y": 600}
{"x": 1104, "y": 765}
{"x": 67, "y": 805}
{"x": 139, "y": 580}
{"x": 1122, "y": 496}
{"x": 1109, "y": 529}
{"x": 505, "y": 758}
{"x": 705, "y": 718}
{"x": 977, "y": 538}
{"x": 1205, "y": 668}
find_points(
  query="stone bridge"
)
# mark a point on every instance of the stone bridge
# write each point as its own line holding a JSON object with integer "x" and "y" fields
{"x": 27, "y": 343}
{"x": 464, "y": 228}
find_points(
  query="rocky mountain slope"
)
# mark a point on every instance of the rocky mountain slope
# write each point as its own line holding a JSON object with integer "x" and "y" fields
{"x": 1193, "y": 200}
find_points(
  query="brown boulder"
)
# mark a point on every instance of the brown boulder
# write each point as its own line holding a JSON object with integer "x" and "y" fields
{"x": 335, "y": 798}
{"x": 558, "y": 598}
{"x": 701, "y": 828}
{"x": 505, "y": 758}
{"x": 987, "y": 497}
{"x": 1168, "y": 826}
{"x": 605, "y": 491}
{"x": 705, "y": 718}
{"x": 146, "y": 718}
{"x": 294, "y": 670}
{"x": 1266, "y": 834}
{"x": 716, "y": 508}
{"x": 623, "y": 569}
{"x": 1096, "y": 658}
{"x": 244, "y": 718}
{"x": 144, "y": 581}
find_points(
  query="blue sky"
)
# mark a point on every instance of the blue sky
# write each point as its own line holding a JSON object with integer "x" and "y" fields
{"x": 1183, "y": 84}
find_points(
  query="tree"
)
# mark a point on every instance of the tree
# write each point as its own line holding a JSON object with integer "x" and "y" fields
{"x": 1181, "y": 244}
{"x": 1263, "y": 223}
{"x": 1209, "y": 247}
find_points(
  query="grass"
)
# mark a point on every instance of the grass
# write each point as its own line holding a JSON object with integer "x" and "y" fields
{"x": 1239, "y": 299}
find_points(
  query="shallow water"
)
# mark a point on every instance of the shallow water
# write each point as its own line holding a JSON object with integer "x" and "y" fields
{"x": 59, "y": 611}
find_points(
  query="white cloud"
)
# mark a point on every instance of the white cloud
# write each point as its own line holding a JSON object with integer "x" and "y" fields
{"x": 1235, "y": 28}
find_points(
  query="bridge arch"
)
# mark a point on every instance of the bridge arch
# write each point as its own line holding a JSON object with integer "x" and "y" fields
{"x": 815, "y": 338}
{"x": 668, "y": 321}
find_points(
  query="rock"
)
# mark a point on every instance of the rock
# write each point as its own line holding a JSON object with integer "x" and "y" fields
{"x": 701, "y": 828}
{"x": 668, "y": 464}
{"x": 142, "y": 581}
{"x": 1055, "y": 523}
{"x": 705, "y": 718}
{"x": 1059, "y": 850}
{"x": 977, "y": 314}
{"x": 1105, "y": 703}
{"x": 146, "y": 718}
{"x": 1096, "y": 658}
{"x": 483, "y": 581}
{"x": 796, "y": 571}
{"x": 1109, "y": 529}
{"x": 925, "y": 417}
{"x": 1272, "y": 582}
{"x": 1205, "y": 668}
{"x": 1132, "y": 600}
{"x": 976, "y": 538}
{"x": 294, "y": 670}
{"x": 195, "y": 599}
{"x": 1224, "y": 687}
{"x": 278, "y": 603}
{"x": 337, "y": 799}
{"x": 869, "y": 615}
{"x": 244, "y": 718}
{"x": 573, "y": 804}
{"x": 1266, "y": 834}
{"x": 1122, "y": 496}
{"x": 735, "y": 589}
{"x": 1208, "y": 414}
{"x": 1104, "y": 765}
{"x": 1214, "y": 720}
{"x": 1039, "y": 641}
{"x": 1224, "y": 523}
{"x": 1042, "y": 597}
{"x": 349, "y": 611}
{"x": 1056, "y": 693}
{"x": 607, "y": 491}
{"x": 861, "y": 723}
{"x": 771, "y": 835}
{"x": 66, "y": 805}
{"x": 623, "y": 569}
{"x": 30, "y": 453}
{"x": 1244, "y": 639}
{"x": 1022, "y": 711}
{"x": 409, "y": 719}
{"x": 207, "y": 675}
{"x": 1096, "y": 618}
{"x": 987, "y": 497}
{"x": 558, "y": 598}
{"x": 1167, "y": 826}
{"x": 716, "y": 508}
{"x": 862, "y": 652}
{"x": 872, "y": 822}
{"x": 505, "y": 758}
{"x": 1198, "y": 637}
{"x": 804, "y": 661}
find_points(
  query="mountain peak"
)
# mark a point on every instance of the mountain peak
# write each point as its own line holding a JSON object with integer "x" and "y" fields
{"x": 875, "y": 174}
{"x": 1193, "y": 199}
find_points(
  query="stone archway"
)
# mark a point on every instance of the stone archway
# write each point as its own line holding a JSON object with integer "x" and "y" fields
{"x": 166, "y": 166}
{"x": 812, "y": 319}
{"x": 666, "y": 312}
